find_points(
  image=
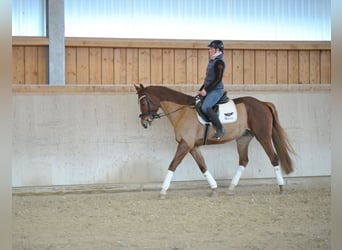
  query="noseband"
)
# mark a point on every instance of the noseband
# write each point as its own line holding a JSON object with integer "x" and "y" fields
{"x": 149, "y": 103}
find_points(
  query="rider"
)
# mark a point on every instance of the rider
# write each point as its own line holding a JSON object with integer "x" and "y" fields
{"x": 212, "y": 88}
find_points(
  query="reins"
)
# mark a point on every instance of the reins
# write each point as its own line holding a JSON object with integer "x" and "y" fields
{"x": 160, "y": 115}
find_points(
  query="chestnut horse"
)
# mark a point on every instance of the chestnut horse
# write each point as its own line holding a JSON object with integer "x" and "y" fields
{"x": 255, "y": 119}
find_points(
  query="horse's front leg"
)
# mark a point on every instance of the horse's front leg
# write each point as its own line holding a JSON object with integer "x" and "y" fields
{"x": 198, "y": 157}
{"x": 181, "y": 152}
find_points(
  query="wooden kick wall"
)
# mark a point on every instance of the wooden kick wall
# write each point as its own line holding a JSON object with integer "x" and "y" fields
{"x": 29, "y": 60}
{"x": 94, "y": 61}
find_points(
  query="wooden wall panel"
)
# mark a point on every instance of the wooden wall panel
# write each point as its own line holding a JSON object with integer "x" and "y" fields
{"x": 107, "y": 69}
{"x": 120, "y": 66}
{"x": 238, "y": 66}
{"x": 203, "y": 58}
{"x": 42, "y": 65}
{"x": 132, "y": 66}
{"x": 71, "y": 66}
{"x": 260, "y": 67}
{"x": 282, "y": 70}
{"x": 145, "y": 65}
{"x": 293, "y": 62}
{"x": 168, "y": 66}
{"x": 249, "y": 67}
{"x": 191, "y": 66}
{"x": 95, "y": 66}
{"x": 304, "y": 67}
{"x": 31, "y": 65}
{"x": 180, "y": 66}
{"x": 325, "y": 66}
{"x": 156, "y": 66}
{"x": 315, "y": 72}
{"x": 18, "y": 64}
{"x": 127, "y": 62}
{"x": 228, "y": 74}
{"x": 271, "y": 67}
{"x": 82, "y": 65}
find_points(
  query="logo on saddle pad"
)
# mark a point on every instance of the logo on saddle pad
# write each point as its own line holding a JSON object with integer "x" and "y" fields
{"x": 226, "y": 113}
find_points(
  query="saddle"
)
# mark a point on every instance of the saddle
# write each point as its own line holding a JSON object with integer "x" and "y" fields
{"x": 225, "y": 108}
{"x": 199, "y": 100}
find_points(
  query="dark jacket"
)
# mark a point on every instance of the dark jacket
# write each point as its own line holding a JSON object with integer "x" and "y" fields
{"x": 214, "y": 74}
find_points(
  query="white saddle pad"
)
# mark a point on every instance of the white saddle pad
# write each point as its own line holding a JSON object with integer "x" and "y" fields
{"x": 227, "y": 113}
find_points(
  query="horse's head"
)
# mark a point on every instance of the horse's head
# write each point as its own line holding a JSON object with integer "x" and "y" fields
{"x": 149, "y": 105}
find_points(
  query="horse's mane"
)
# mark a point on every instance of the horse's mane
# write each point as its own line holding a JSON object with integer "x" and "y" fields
{"x": 171, "y": 95}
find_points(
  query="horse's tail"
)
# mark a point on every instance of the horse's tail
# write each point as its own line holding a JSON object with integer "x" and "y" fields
{"x": 281, "y": 142}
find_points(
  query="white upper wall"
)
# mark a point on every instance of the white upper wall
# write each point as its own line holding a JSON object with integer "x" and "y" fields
{"x": 182, "y": 19}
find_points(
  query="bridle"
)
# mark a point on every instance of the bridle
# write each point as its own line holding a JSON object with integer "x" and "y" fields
{"x": 149, "y": 112}
{"x": 149, "y": 103}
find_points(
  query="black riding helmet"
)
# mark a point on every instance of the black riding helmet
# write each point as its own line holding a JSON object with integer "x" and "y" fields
{"x": 217, "y": 44}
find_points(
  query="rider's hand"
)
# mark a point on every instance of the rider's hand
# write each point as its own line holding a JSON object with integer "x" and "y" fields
{"x": 203, "y": 92}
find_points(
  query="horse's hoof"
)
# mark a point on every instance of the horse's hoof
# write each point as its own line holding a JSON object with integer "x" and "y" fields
{"x": 162, "y": 196}
{"x": 231, "y": 192}
{"x": 213, "y": 194}
{"x": 282, "y": 192}
{"x": 231, "y": 189}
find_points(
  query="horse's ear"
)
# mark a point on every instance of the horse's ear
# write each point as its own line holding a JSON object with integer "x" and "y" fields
{"x": 137, "y": 87}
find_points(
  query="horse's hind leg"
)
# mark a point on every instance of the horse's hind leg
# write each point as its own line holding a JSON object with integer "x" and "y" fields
{"x": 268, "y": 147}
{"x": 196, "y": 154}
{"x": 242, "y": 147}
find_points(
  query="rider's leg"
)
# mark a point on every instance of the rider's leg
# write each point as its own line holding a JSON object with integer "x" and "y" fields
{"x": 220, "y": 131}
{"x": 209, "y": 101}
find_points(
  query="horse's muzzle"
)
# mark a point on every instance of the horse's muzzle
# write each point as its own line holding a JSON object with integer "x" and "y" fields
{"x": 146, "y": 121}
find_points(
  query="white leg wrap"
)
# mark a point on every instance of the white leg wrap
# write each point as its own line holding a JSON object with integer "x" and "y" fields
{"x": 210, "y": 179}
{"x": 237, "y": 175}
{"x": 167, "y": 180}
{"x": 279, "y": 176}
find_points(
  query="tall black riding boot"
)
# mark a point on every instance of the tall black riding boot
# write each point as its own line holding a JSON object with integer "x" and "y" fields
{"x": 220, "y": 131}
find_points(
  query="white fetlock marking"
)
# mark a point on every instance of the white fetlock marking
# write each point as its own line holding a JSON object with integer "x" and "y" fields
{"x": 237, "y": 176}
{"x": 279, "y": 176}
{"x": 167, "y": 180}
{"x": 163, "y": 192}
{"x": 210, "y": 179}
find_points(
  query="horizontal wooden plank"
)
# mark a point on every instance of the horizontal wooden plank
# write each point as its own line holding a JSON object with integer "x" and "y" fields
{"x": 171, "y": 43}
{"x": 187, "y": 88}
{"x": 193, "y": 44}
{"x": 30, "y": 41}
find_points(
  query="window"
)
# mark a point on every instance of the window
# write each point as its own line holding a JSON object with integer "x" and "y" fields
{"x": 182, "y": 19}
{"x": 29, "y": 18}
{"x": 200, "y": 19}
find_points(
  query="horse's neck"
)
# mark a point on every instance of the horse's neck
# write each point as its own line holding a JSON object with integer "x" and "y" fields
{"x": 166, "y": 94}
{"x": 174, "y": 111}
{"x": 170, "y": 107}
{"x": 173, "y": 103}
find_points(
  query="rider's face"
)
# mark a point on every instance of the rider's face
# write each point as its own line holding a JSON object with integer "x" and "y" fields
{"x": 212, "y": 51}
